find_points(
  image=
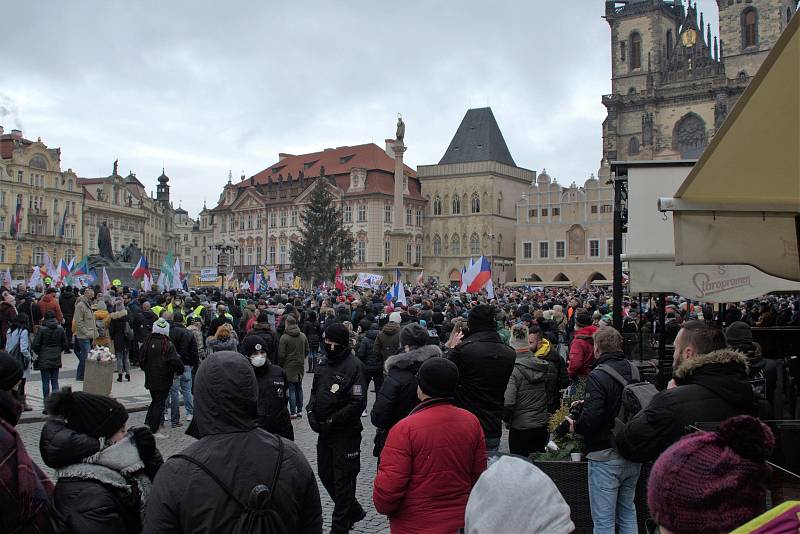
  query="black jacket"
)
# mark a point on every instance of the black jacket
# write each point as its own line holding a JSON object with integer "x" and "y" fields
{"x": 398, "y": 394}
{"x": 273, "y": 415}
{"x": 711, "y": 388}
{"x": 145, "y": 322}
{"x": 311, "y": 330}
{"x": 484, "y": 366}
{"x": 185, "y": 499}
{"x": 185, "y": 343}
{"x": 562, "y": 378}
{"x": 116, "y": 329}
{"x": 160, "y": 362}
{"x": 49, "y": 342}
{"x": 268, "y": 336}
{"x": 338, "y": 396}
{"x": 67, "y": 303}
{"x": 371, "y": 361}
{"x": 601, "y": 402}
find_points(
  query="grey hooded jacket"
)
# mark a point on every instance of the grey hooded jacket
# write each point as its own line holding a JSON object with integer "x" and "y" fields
{"x": 531, "y": 384}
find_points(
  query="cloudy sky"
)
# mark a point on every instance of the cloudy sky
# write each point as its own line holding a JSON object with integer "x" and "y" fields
{"x": 203, "y": 87}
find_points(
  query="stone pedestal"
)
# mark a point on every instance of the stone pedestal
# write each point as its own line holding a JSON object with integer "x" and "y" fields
{"x": 398, "y": 241}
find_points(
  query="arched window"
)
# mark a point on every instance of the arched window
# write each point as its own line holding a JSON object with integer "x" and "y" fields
{"x": 633, "y": 146}
{"x": 38, "y": 256}
{"x": 749, "y": 27}
{"x": 474, "y": 245}
{"x": 69, "y": 185}
{"x": 456, "y": 205}
{"x": 437, "y": 245}
{"x": 669, "y": 44}
{"x": 455, "y": 245}
{"x": 476, "y": 203}
{"x": 69, "y": 255}
{"x": 437, "y": 206}
{"x": 636, "y": 51}
{"x": 689, "y": 136}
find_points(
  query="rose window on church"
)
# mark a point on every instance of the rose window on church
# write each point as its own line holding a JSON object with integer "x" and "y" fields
{"x": 689, "y": 136}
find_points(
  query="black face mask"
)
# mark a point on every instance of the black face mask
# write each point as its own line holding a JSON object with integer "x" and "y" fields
{"x": 335, "y": 352}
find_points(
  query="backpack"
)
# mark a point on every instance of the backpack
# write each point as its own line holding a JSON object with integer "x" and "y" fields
{"x": 100, "y": 325}
{"x": 257, "y": 515}
{"x": 636, "y": 395}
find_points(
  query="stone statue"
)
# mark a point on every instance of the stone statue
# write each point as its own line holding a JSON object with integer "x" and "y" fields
{"x": 104, "y": 242}
{"x": 401, "y": 128}
{"x": 116, "y": 166}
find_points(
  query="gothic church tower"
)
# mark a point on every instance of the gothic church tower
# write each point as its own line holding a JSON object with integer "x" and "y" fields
{"x": 672, "y": 83}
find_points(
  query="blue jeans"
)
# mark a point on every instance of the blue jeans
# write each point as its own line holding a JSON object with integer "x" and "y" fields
{"x": 295, "y": 391}
{"x": 184, "y": 382}
{"x": 312, "y": 360}
{"x": 612, "y": 488}
{"x": 84, "y": 346}
{"x": 49, "y": 380}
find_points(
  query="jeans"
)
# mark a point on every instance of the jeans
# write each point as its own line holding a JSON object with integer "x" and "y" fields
{"x": 295, "y": 391}
{"x": 312, "y": 360}
{"x": 123, "y": 362}
{"x": 156, "y": 409}
{"x": 49, "y": 381}
{"x": 184, "y": 382}
{"x": 612, "y": 488}
{"x": 84, "y": 346}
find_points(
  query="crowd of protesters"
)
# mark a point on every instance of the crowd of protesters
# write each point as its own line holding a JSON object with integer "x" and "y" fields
{"x": 449, "y": 372}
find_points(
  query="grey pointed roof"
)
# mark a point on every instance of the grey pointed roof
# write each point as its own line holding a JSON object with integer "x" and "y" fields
{"x": 478, "y": 138}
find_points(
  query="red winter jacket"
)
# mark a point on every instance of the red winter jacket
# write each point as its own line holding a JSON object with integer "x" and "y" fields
{"x": 581, "y": 352}
{"x": 49, "y": 303}
{"x": 430, "y": 462}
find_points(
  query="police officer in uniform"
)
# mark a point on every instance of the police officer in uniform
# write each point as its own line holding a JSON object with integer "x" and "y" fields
{"x": 273, "y": 413}
{"x": 338, "y": 397}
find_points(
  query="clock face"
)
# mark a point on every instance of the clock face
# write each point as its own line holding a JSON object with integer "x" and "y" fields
{"x": 689, "y": 38}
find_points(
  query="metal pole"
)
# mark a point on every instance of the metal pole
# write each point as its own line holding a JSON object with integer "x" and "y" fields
{"x": 617, "y": 282}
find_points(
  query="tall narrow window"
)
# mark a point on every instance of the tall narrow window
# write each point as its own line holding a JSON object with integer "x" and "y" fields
{"x": 749, "y": 27}
{"x": 456, "y": 205}
{"x": 669, "y": 44}
{"x": 437, "y": 245}
{"x": 636, "y": 51}
{"x": 476, "y": 203}
{"x": 455, "y": 245}
{"x": 622, "y": 56}
{"x": 437, "y": 206}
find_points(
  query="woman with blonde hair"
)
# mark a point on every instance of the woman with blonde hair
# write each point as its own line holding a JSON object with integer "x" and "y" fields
{"x": 224, "y": 339}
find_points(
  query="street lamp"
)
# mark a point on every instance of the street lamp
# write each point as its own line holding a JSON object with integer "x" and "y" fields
{"x": 228, "y": 249}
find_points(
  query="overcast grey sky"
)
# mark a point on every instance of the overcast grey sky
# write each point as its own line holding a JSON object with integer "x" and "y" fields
{"x": 202, "y": 87}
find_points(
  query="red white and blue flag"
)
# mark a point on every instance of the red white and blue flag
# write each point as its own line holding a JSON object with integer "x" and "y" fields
{"x": 397, "y": 291}
{"x": 141, "y": 268}
{"x": 16, "y": 223}
{"x": 63, "y": 269}
{"x": 479, "y": 276}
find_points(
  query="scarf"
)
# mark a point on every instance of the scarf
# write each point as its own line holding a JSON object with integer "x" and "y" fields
{"x": 118, "y": 466}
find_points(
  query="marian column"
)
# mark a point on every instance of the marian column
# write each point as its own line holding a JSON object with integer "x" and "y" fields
{"x": 398, "y": 237}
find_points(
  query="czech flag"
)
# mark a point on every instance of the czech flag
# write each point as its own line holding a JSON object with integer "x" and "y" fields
{"x": 141, "y": 268}
{"x": 17, "y": 222}
{"x": 481, "y": 278}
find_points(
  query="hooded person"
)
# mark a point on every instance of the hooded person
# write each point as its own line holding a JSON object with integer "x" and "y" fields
{"x": 513, "y": 495}
{"x": 387, "y": 343}
{"x": 338, "y": 397}
{"x": 49, "y": 342}
{"x": 292, "y": 350}
{"x": 581, "y": 351}
{"x": 484, "y": 364}
{"x": 233, "y": 456}
{"x": 25, "y": 491}
{"x": 431, "y": 459}
{"x": 160, "y": 362}
{"x": 398, "y": 394}
{"x": 273, "y": 415}
{"x": 712, "y": 482}
{"x": 529, "y": 390}
{"x": 765, "y": 374}
{"x": 103, "y": 472}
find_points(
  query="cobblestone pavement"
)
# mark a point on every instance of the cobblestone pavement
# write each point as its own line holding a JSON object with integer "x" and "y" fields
{"x": 305, "y": 438}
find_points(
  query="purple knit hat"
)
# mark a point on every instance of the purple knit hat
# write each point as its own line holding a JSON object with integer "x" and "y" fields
{"x": 712, "y": 481}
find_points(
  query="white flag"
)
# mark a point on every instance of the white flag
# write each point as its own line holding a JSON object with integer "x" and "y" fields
{"x": 7, "y": 279}
{"x": 273, "y": 279}
{"x": 161, "y": 281}
{"x": 147, "y": 283}
{"x": 105, "y": 282}
{"x": 36, "y": 278}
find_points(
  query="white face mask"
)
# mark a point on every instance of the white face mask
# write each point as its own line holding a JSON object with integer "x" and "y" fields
{"x": 258, "y": 360}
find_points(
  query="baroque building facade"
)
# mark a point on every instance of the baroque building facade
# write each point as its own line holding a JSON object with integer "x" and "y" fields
{"x": 259, "y": 217}
{"x": 672, "y": 82}
{"x": 565, "y": 234}
{"x": 471, "y": 195}
{"x": 47, "y": 200}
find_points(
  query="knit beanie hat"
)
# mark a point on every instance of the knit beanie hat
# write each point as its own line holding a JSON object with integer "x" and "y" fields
{"x": 481, "y": 317}
{"x": 413, "y": 335}
{"x": 251, "y": 344}
{"x": 395, "y": 317}
{"x": 739, "y": 334}
{"x": 10, "y": 371}
{"x": 94, "y": 415}
{"x": 519, "y": 337}
{"x": 161, "y": 327}
{"x": 582, "y": 318}
{"x": 712, "y": 481}
{"x": 338, "y": 333}
{"x": 438, "y": 378}
{"x": 513, "y": 495}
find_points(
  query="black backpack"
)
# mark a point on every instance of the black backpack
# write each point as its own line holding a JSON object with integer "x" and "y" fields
{"x": 257, "y": 514}
{"x": 636, "y": 395}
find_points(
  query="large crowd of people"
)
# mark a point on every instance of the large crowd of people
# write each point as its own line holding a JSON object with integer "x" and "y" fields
{"x": 449, "y": 372}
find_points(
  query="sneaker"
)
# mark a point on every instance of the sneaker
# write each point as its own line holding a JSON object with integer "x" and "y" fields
{"x": 364, "y": 413}
{"x": 159, "y": 435}
{"x": 176, "y": 424}
{"x": 189, "y": 417}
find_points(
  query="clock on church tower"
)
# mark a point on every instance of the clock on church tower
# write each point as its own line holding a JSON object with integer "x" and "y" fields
{"x": 689, "y": 38}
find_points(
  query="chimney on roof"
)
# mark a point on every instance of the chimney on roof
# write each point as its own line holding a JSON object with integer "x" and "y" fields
{"x": 283, "y": 155}
{"x": 328, "y": 150}
{"x": 16, "y": 133}
{"x": 390, "y": 147}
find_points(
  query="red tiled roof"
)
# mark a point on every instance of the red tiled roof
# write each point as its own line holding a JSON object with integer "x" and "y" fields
{"x": 336, "y": 161}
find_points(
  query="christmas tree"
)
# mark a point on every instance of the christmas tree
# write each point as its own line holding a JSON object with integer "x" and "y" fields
{"x": 324, "y": 241}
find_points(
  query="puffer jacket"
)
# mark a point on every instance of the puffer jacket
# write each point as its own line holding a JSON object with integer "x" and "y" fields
{"x": 530, "y": 387}
{"x": 49, "y": 342}
{"x": 67, "y": 303}
{"x": 83, "y": 319}
{"x": 292, "y": 350}
{"x": 230, "y": 445}
{"x": 387, "y": 343}
{"x": 711, "y": 388}
{"x": 365, "y": 353}
{"x": 104, "y": 317}
{"x": 398, "y": 394}
{"x": 160, "y": 362}
{"x": 581, "y": 352}
{"x": 547, "y": 352}
{"x": 431, "y": 461}
{"x": 48, "y": 302}
{"x": 116, "y": 329}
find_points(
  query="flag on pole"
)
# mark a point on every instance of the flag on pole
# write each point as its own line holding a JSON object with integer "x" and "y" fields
{"x": 478, "y": 275}
{"x": 421, "y": 278}
{"x": 105, "y": 283}
{"x": 50, "y": 269}
{"x": 82, "y": 268}
{"x": 16, "y": 223}
{"x": 63, "y": 228}
{"x": 63, "y": 269}
{"x": 177, "y": 275}
{"x": 141, "y": 268}
{"x": 167, "y": 269}
{"x": 36, "y": 277}
{"x": 397, "y": 292}
{"x": 162, "y": 281}
{"x": 147, "y": 281}
{"x": 339, "y": 281}
{"x": 273, "y": 279}
{"x": 462, "y": 282}
{"x": 7, "y": 279}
